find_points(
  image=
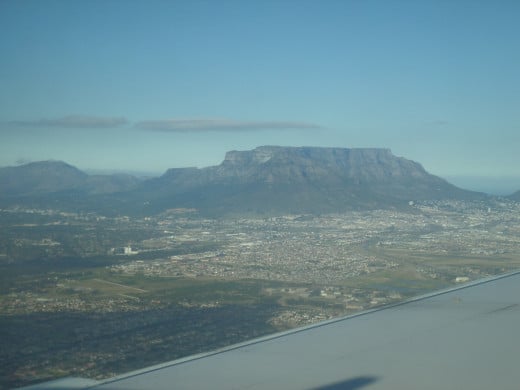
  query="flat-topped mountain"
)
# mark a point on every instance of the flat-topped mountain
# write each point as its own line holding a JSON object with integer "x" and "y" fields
{"x": 265, "y": 180}
{"x": 276, "y": 165}
{"x": 275, "y": 179}
{"x": 283, "y": 165}
{"x": 317, "y": 164}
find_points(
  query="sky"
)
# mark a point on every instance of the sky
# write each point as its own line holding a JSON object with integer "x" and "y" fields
{"x": 149, "y": 85}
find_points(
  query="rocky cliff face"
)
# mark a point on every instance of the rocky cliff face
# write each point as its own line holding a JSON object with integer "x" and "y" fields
{"x": 301, "y": 179}
{"x": 276, "y": 164}
{"x": 311, "y": 163}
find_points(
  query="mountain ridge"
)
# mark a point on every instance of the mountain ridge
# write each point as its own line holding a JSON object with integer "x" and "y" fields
{"x": 264, "y": 180}
{"x": 276, "y": 179}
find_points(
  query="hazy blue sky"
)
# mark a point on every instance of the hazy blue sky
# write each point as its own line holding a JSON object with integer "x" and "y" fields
{"x": 148, "y": 85}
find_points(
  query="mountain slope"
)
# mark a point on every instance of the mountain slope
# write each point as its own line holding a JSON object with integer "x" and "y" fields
{"x": 515, "y": 196}
{"x": 48, "y": 177}
{"x": 40, "y": 177}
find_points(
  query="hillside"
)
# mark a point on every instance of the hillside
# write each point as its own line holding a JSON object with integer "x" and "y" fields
{"x": 515, "y": 196}
{"x": 50, "y": 177}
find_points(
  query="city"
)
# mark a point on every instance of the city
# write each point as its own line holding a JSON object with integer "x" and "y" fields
{"x": 181, "y": 284}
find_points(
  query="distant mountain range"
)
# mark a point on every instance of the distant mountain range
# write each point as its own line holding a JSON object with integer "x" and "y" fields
{"x": 266, "y": 180}
{"x": 45, "y": 177}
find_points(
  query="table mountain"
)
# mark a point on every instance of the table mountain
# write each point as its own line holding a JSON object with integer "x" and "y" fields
{"x": 274, "y": 179}
{"x": 267, "y": 180}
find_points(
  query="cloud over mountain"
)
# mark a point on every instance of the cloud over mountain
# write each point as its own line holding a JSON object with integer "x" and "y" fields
{"x": 204, "y": 125}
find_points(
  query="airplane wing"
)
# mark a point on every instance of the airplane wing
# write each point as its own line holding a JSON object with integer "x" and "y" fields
{"x": 460, "y": 338}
